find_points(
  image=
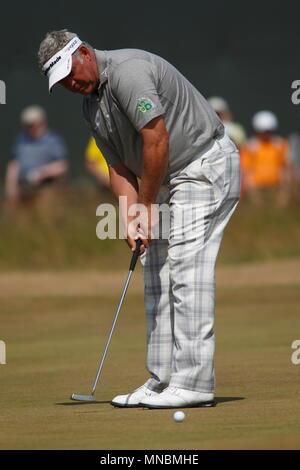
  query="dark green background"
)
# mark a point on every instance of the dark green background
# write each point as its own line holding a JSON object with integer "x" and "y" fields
{"x": 247, "y": 52}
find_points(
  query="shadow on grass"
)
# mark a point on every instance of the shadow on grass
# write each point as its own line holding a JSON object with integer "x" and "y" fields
{"x": 225, "y": 399}
{"x": 73, "y": 403}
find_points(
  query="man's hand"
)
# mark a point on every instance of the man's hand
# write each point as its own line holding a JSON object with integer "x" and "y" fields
{"x": 52, "y": 170}
{"x": 34, "y": 177}
{"x": 144, "y": 223}
{"x": 141, "y": 225}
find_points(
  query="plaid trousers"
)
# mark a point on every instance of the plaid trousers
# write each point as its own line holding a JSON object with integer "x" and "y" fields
{"x": 179, "y": 270}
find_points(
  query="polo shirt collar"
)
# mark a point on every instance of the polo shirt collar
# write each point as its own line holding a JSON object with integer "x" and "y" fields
{"x": 102, "y": 62}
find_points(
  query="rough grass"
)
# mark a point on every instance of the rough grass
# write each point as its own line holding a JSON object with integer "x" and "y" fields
{"x": 28, "y": 241}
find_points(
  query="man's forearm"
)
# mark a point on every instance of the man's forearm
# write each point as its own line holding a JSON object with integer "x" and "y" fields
{"x": 11, "y": 180}
{"x": 124, "y": 183}
{"x": 52, "y": 170}
{"x": 154, "y": 170}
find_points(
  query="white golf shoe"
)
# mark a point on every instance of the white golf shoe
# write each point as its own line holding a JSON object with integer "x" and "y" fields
{"x": 173, "y": 397}
{"x": 132, "y": 400}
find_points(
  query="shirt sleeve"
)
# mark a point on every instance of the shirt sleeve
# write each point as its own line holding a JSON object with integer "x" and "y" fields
{"x": 13, "y": 151}
{"x": 134, "y": 85}
{"x": 108, "y": 153}
{"x": 58, "y": 148}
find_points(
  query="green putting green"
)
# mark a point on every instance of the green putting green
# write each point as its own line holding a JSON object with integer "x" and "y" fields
{"x": 54, "y": 342}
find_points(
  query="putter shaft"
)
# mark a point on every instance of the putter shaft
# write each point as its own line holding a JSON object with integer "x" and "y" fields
{"x": 134, "y": 258}
{"x": 111, "y": 332}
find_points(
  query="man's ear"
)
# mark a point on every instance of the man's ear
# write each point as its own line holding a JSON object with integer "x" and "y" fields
{"x": 85, "y": 52}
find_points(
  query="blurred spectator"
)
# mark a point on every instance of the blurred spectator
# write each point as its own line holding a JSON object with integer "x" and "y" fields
{"x": 96, "y": 164}
{"x": 235, "y": 131}
{"x": 38, "y": 164}
{"x": 264, "y": 160}
{"x": 294, "y": 159}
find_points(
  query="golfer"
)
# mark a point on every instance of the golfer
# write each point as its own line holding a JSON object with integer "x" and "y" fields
{"x": 151, "y": 123}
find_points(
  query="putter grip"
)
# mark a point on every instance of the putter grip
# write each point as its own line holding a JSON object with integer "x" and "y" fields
{"x": 135, "y": 255}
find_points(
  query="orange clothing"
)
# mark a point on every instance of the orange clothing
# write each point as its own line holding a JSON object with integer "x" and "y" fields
{"x": 263, "y": 161}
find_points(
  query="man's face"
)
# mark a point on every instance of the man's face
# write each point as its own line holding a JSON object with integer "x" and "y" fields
{"x": 37, "y": 129}
{"x": 84, "y": 75}
{"x": 265, "y": 136}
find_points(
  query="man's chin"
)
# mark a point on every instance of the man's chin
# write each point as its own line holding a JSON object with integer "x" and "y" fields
{"x": 87, "y": 90}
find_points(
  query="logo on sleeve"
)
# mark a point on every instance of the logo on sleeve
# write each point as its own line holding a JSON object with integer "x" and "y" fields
{"x": 144, "y": 105}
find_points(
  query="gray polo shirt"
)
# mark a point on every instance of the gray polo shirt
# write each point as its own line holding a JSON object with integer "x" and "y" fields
{"x": 135, "y": 87}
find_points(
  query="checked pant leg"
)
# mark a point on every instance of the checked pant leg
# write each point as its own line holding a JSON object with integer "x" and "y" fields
{"x": 159, "y": 314}
{"x": 195, "y": 238}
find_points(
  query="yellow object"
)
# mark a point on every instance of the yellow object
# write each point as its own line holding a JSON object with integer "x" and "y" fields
{"x": 264, "y": 160}
{"x": 93, "y": 154}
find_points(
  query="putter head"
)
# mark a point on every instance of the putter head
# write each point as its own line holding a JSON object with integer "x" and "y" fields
{"x": 88, "y": 398}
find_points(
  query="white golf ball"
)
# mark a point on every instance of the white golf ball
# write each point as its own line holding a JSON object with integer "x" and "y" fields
{"x": 179, "y": 416}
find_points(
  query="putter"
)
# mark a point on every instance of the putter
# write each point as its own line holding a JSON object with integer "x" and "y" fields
{"x": 91, "y": 397}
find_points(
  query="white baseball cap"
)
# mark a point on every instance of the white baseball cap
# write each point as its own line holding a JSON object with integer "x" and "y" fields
{"x": 218, "y": 104}
{"x": 60, "y": 64}
{"x": 264, "y": 121}
{"x": 32, "y": 115}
